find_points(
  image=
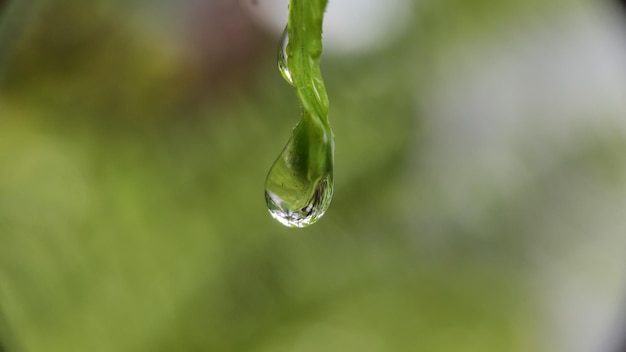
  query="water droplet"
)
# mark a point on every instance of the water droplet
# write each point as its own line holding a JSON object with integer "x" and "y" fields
{"x": 299, "y": 186}
{"x": 282, "y": 57}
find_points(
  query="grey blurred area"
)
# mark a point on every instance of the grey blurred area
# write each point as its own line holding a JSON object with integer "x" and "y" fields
{"x": 480, "y": 198}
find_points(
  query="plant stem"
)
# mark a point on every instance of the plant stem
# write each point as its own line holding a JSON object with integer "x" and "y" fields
{"x": 304, "y": 51}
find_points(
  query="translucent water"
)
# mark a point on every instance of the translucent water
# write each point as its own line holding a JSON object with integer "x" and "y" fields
{"x": 282, "y": 57}
{"x": 296, "y": 216}
{"x": 299, "y": 186}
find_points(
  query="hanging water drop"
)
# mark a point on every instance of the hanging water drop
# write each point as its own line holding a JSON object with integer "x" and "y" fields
{"x": 299, "y": 186}
{"x": 282, "y": 57}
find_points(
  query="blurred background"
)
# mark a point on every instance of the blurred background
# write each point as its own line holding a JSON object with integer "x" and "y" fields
{"x": 480, "y": 199}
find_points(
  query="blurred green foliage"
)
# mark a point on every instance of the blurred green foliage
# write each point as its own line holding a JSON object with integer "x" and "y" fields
{"x": 132, "y": 215}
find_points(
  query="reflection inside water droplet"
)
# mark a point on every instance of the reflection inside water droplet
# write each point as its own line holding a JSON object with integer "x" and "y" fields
{"x": 282, "y": 57}
{"x": 293, "y": 215}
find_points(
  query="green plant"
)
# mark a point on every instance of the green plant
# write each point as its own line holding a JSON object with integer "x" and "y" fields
{"x": 299, "y": 186}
